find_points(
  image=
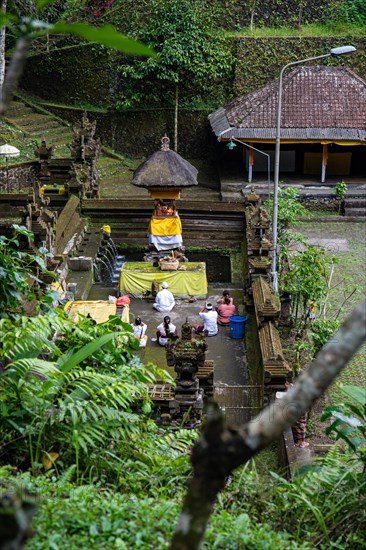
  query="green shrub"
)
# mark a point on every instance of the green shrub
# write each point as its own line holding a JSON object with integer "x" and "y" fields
{"x": 322, "y": 330}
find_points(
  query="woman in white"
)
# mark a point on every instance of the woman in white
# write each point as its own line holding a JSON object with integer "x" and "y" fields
{"x": 139, "y": 329}
{"x": 162, "y": 331}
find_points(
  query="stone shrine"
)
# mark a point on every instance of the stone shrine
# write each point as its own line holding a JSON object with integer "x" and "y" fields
{"x": 187, "y": 356}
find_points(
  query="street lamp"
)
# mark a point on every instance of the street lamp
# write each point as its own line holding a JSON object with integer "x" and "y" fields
{"x": 231, "y": 145}
{"x": 8, "y": 151}
{"x": 335, "y": 52}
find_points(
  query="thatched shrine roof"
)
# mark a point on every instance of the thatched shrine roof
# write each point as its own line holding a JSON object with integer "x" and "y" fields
{"x": 165, "y": 168}
{"x": 317, "y": 103}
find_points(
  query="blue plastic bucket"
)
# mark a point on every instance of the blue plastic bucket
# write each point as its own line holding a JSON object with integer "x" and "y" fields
{"x": 237, "y": 326}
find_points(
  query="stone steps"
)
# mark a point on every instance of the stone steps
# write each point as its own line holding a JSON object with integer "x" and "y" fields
{"x": 211, "y": 225}
{"x": 36, "y": 125}
{"x": 355, "y": 212}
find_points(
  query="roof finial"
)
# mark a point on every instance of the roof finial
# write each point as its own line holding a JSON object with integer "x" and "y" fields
{"x": 165, "y": 143}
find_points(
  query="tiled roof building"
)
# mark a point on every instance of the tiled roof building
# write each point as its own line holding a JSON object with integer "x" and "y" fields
{"x": 320, "y": 105}
{"x": 317, "y": 103}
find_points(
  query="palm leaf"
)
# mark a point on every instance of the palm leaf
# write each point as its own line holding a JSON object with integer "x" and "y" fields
{"x": 67, "y": 363}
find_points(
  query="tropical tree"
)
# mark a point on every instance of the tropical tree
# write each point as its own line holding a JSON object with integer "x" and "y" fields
{"x": 188, "y": 47}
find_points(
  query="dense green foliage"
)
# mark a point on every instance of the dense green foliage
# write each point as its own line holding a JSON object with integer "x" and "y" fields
{"x": 322, "y": 507}
{"x": 350, "y": 421}
{"x": 73, "y": 389}
{"x": 31, "y": 21}
{"x": 233, "y": 14}
{"x": 354, "y": 11}
{"x": 20, "y": 273}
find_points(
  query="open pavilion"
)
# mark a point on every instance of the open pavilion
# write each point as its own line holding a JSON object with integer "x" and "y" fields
{"x": 323, "y": 124}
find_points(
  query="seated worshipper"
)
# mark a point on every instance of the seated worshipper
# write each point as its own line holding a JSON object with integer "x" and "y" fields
{"x": 209, "y": 316}
{"x": 225, "y": 311}
{"x": 225, "y": 294}
{"x": 164, "y": 300}
{"x": 139, "y": 329}
{"x": 164, "y": 329}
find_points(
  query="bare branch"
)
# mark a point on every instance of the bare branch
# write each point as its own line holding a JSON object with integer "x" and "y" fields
{"x": 344, "y": 301}
{"x": 220, "y": 450}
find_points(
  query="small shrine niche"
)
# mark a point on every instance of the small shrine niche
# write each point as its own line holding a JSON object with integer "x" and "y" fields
{"x": 165, "y": 174}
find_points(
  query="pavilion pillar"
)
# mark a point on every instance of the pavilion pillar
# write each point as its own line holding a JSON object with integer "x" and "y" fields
{"x": 250, "y": 165}
{"x": 324, "y": 161}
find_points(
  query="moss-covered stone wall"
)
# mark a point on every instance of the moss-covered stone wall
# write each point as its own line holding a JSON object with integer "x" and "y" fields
{"x": 259, "y": 60}
{"x": 234, "y": 14}
{"x": 73, "y": 74}
{"x": 237, "y": 13}
{"x": 139, "y": 132}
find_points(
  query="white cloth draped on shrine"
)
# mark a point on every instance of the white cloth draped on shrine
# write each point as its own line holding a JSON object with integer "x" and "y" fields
{"x": 165, "y": 242}
{"x": 165, "y": 233}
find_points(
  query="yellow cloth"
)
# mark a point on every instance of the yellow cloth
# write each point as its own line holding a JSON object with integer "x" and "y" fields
{"x": 58, "y": 287}
{"x": 163, "y": 227}
{"x": 181, "y": 283}
{"x": 98, "y": 310}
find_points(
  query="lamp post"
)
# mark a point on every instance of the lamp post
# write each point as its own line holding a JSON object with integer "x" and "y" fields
{"x": 334, "y": 52}
{"x": 231, "y": 146}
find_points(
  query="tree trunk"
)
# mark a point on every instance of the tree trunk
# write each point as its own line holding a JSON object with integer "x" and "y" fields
{"x": 14, "y": 72}
{"x": 176, "y": 118}
{"x": 220, "y": 449}
{"x": 251, "y": 19}
{"x": 2, "y": 46}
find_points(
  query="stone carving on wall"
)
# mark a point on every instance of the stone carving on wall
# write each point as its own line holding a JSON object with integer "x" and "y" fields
{"x": 85, "y": 146}
{"x": 40, "y": 219}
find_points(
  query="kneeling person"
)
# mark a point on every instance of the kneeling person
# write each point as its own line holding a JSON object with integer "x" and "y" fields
{"x": 139, "y": 329}
{"x": 209, "y": 316}
{"x": 164, "y": 330}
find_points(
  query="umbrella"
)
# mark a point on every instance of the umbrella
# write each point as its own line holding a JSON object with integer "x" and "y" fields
{"x": 8, "y": 151}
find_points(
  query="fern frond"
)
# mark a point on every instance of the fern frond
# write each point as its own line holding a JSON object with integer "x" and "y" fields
{"x": 67, "y": 475}
{"x": 30, "y": 367}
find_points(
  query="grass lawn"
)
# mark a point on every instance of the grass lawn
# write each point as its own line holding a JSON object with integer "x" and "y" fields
{"x": 349, "y": 275}
{"x": 338, "y": 29}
